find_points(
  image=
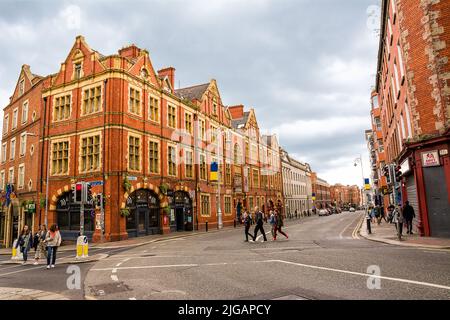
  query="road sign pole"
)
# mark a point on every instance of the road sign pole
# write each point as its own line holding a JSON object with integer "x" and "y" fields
{"x": 102, "y": 217}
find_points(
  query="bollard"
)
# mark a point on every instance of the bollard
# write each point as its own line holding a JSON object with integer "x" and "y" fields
{"x": 235, "y": 223}
{"x": 82, "y": 247}
{"x": 14, "y": 251}
{"x": 206, "y": 225}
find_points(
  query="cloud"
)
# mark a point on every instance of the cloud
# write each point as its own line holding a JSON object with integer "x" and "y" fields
{"x": 305, "y": 66}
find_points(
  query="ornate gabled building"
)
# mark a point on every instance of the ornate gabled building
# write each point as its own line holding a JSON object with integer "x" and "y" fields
{"x": 116, "y": 122}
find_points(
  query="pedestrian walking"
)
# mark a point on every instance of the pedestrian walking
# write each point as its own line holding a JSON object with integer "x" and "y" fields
{"x": 279, "y": 225}
{"x": 391, "y": 214}
{"x": 398, "y": 221}
{"x": 259, "y": 224}
{"x": 273, "y": 224}
{"x": 247, "y": 226}
{"x": 53, "y": 241}
{"x": 25, "y": 242}
{"x": 409, "y": 215}
{"x": 39, "y": 244}
{"x": 296, "y": 213}
{"x": 368, "y": 220}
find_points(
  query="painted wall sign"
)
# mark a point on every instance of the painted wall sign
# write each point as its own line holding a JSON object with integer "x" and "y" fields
{"x": 430, "y": 159}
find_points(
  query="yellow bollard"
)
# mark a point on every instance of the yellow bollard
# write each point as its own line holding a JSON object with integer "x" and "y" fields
{"x": 82, "y": 247}
{"x": 14, "y": 251}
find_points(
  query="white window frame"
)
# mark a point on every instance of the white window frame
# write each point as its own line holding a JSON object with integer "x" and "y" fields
{"x": 130, "y": 86}
{"x": 21, "y": 179}
{"x": 93, "y": 86}
{"x": 25, "y": 107}
{"x": 21, "y": 86}
{"x": 11, "y": 175}
{"x": 186, "y": 113}
{"x": 167, "y": 115}
{"x": 5, "y": 124}
{"x": 23, "y": 144}
{"x": 2, "y": 180}
{"x": 400, "y": 60}
{"x": 175, "y": 160}
{"x": 12, "y": 151}
{"x": 408, "y": 120}
{"x": 15, "y": 118}
{"x": 65, "y": 94}
{"x": 151, "y": 96}
{"x": 4, "y": 152}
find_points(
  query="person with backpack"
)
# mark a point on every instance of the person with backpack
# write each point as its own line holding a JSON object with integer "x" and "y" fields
{"x": 273, "y": 224}
{"x": 259, "y": 224}
{"x": 53, "y": 241}
{"x": 279, "y": 224}
{"x": 247, "y": 226}
{"x": 25, "y": 242}
{"x": 39, "y": 244}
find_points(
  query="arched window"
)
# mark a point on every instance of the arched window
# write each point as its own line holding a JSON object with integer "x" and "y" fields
{"x": 237, "y": 154}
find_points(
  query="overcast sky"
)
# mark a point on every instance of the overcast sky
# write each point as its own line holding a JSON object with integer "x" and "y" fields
{"x": 307, "y": 67}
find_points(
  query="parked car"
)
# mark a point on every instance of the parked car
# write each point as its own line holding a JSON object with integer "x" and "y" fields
{"x": 352, "y": 209}
{"x": 323, "y": 212}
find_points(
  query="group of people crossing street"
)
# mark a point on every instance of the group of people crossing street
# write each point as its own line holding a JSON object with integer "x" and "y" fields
{"x": 45, "y": 243}
{"x": 275, "y": 220}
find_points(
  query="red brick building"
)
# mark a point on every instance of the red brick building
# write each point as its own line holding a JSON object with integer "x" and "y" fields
{"x": 118, "y": 123}
{"x": 413, "y": 92}
{"x": 345, "y": 195}
{"x": 320, "y": 191}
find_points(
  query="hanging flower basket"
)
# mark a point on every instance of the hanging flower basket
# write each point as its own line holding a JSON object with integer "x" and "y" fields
{"x": 126, "y": 184}
{"x": 163, "y": 188}
{"x": 124, "y": 212}
{"x": 166, "y": 210}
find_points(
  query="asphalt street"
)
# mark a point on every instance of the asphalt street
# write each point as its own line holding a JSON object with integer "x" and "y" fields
{"x": 322, "y": 259}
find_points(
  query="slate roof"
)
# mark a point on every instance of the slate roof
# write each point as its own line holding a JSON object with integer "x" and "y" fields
{"x": 192, "y": 93}
{"x": 236, "y": 123}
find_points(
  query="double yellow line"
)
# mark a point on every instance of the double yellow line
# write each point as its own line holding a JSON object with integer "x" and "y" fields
{"x": 356, "y": 230}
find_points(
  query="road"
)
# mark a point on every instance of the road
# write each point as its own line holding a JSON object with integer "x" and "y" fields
{"x": 322, "y": 259}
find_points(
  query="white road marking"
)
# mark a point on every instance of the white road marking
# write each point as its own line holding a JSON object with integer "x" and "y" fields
{"x": 260, "y": 236}
{"x": 120, "y": 263}
{"x": 427, "y": 284}
{"x": 114, "y": 278}
{"x": 114, "y": 270}
{"x": 132, "y": 298}
{"x": 19, "y": 271}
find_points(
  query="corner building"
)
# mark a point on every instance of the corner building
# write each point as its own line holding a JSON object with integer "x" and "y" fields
{"x": 116, "y": 122}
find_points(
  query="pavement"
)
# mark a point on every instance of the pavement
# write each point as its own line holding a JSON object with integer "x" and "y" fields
{"x": 386, "y": 233}
{"x": 28, "y": 294}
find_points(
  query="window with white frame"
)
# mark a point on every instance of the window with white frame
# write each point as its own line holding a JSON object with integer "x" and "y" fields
{"x": 92, "y": 100}
{"x": 61, "y": 109}
{"x": 188, "y": 122}
{"x": 153, "y": 158}
{"x": 23, "y": 144}
{"x": 171, "y": 116}
{"x": 134, "y": 101}
{"x": 14, "y": 119}
{"x": 21, "y": 177}
{"x": 25, "y": 112}
{"x": 60, "y": 157}
{"x": 11, "y": 175}
{"x": 134, "y": 153}
{"x": 171, "y": 161}
{"x": 90, "y": 153}
{"x": 6, "y": 124}
{"x": 189, "y": 164}
{"x": 2, "y": 180}
{"x": 12, "y": 149}
{"x": 4, "y": 151}
{"x": 153, "y": 113}
{"x": 21, "y": 87}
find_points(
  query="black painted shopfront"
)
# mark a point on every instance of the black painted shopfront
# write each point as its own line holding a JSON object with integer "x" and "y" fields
{"x": 181, "y": 217}
{"x": 144, "y": 217}
{"x": 68, "y": 217}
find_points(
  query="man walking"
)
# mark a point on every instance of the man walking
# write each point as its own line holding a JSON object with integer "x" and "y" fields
{"x": 279, "y": 224}
{"x": 408, "y": 215}
{"x": 259, "y": 224}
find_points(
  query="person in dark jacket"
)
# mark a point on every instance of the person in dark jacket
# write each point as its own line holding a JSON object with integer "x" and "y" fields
{"x": 25, "y": 242}
{"x": 259, "y": 224}
{"x": 247, "y": 226}
{"x": 279, "y": 224}
{"x": 408, "y": 215}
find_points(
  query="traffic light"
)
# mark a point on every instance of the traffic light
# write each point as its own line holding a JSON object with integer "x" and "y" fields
{"x": 386, "y": 173}
{"x": 398, "y": 174}
{"x": 78, "y": 192}
{"x": 89, "y": 198}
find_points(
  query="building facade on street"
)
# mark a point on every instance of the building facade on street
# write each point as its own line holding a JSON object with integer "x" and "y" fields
{"x": 345, "y": 195}
{"x": 412, "y": 103}
{"x": 147, "y": 147}
{"x": 295, "y": 185}
{"x": 321, "y": 195}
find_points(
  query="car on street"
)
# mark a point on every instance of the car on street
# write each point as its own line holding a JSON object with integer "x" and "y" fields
{"x": 323, "y": 212}
{"x": 352, "y": 209}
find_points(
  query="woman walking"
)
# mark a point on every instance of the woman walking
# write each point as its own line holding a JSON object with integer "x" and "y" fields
{"x": 247, "y": 226}
{"x": 398, "y": 221}
{"x": 53, "y": 241}
{"x": 25, "y": 242}
{"x": 279, "y": 224}
{"x": 39, "y": 244}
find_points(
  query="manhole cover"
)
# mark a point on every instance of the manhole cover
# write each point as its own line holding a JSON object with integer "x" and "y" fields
{"x": 110, "y": 288}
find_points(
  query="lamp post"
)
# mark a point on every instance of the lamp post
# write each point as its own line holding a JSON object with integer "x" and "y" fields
{"x": 359, "y": 159}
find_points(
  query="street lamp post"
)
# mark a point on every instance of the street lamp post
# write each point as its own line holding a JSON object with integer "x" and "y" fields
{"x": 359, "y": 159}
